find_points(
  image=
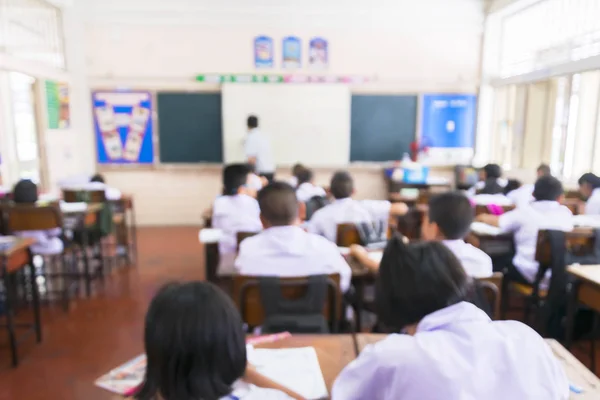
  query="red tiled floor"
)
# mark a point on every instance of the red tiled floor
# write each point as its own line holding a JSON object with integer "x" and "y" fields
{"x": 103, "y": 331}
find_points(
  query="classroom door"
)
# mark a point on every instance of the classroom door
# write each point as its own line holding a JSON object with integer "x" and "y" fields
{"x": 26, "y": 160}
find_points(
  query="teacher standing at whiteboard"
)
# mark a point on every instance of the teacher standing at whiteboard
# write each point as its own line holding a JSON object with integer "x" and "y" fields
{"x": 258, "y": 150}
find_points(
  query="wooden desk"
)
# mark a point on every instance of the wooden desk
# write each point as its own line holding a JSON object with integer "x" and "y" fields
{"x": 584, "y": 290}
{"x": 13, "y": 259}
{"x": 577, "y": 373}
{"x": 334, "y": 351}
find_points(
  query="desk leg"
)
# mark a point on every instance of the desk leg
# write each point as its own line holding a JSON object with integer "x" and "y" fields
{"x": 134, "y": 247}
{"x": 360, "y": 296}
{"x": 35, "y": 295}
{"x": 10, "y": 297}
{"x": 572, "y": 294}
{"x": 86, "y": 261}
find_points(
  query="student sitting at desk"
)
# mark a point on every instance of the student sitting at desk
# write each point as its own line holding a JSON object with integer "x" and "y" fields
{"x": 347, "y": 210}
{"x": 448, "y": 220}
{"x": 545, "y": 212}
{"x": 97, "y": 182}
{"x": 47, "y": 242}
{"x": 306, "y": 188}
{"x": 451, "y": 350}
{"x": 589, "y": 187}
{"x": 235, "y": 211}
{"x": 491, "y": 181}
{"x": 293, "y": 181}
{"x": 284, "y": 249}
{"x": 196, "y": 349}
{"x": 523, "y": 194}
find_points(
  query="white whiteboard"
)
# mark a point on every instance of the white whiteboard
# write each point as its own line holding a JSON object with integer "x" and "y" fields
{"x": 305, "y": 123}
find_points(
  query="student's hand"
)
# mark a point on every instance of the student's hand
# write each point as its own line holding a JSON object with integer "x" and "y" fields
{"x": 399, "y": 209}
{"x": 253, "y": 377}
{"x": 358, "y": 252}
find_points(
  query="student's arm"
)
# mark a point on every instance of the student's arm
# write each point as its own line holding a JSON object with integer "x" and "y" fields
{"x": 489, "y": 219}
{"x": 398, "y": 209}
{"x": 255, "y": 378}
{"x": 362, "y": 256}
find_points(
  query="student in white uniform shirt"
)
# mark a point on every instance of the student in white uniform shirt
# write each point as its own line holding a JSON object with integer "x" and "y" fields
{"x": 589, "y": 187}
{"x": 258, "y": 150}
{"x": 235, "y": 211}
{"x": 284, "y": 249}
{"x": 196, "y": 349}
{"x": 344, "y": 209}
{"x": 545, "y": 212}
{"x": 491, "y": 181}
{"x": 293, "y": 181}
{"x": 449, "y": 221}
{"x": 451, "y": 350}
{"x": 97, "y": 182}
{"x": 306, "y": 189}
{"x": 523, "y": 194}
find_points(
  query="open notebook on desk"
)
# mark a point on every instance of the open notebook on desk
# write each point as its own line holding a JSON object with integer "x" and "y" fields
{"x": 485, "y": 229}
{"x": 210, "y": 235}
{"x": 297, "y": 369}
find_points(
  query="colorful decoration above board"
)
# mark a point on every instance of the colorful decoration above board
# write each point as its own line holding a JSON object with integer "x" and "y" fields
{"x": 292, "y": 78}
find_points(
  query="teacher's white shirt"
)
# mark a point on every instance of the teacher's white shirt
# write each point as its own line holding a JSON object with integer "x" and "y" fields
{"x": 257, "y": 145}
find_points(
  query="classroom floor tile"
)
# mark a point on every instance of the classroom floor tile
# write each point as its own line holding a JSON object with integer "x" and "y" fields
{"x": 101, "y": 332}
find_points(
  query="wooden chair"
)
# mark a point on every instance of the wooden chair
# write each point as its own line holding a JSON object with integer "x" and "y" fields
{"x": 347, "y": 235}
{"x": 246, "y": 295}
{"x": 88, "y": 196}
{"x": 26, "y": 217}
{"x": 243, "y": 235}
{"x": 492, "y": 288}
{"x": 578, "y": 241}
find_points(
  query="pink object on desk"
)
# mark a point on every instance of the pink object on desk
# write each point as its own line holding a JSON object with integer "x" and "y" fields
{"x": 495, "y": 209}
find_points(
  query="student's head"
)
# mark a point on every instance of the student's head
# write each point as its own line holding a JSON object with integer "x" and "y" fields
{"x": 235, "y": 179}
{"x": 97, "y": 178}
{"x": 587, "y": 183}
{"x": 296, "y": 169}
{"x": 25, "y": 192}
{"x": 415, "y": 280}
{"x": 304, "y": 175}
{"x": 548, "y": 188}
{"x": 492, "y": 171}
{"x": 278, "y": 205}
{"x": 252, "y": 122}
{"x": 450, "y": 217}
{"x": 195, "y": 343}
{"x": 543, "y": 170}
{"x": 512, "y": 184}
{"x": 342, "y": 185}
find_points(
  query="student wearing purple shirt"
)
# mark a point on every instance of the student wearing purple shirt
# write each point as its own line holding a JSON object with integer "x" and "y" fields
{"x": 451, "y": 349}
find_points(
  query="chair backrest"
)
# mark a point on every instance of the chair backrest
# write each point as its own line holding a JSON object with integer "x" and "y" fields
{"x": 492, "y": 294}
{"x": 247, "y": 296}
{"x": 88, "y": 196}
{"x": 243, "y": 235}
{"x": 347, "y": 235}
{"x": 30, "y": 217}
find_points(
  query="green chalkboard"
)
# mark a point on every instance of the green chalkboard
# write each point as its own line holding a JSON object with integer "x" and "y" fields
{"x": 190, "y": 127}
{"x": 382, "y": 127}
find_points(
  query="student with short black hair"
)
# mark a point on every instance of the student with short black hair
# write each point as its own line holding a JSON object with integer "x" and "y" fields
{"x": 235, "y": 211}
{"x": 589, "y": 187}
{"x": 491, "y": 181}
{"x": 543, "y": 170}
{"x": 421, "y": 290}
{"x": 196, "y": 349}
{"x": 97, "y": 182}
{"x": 293, "y": 181}
{"x": 449, "y": 221}
{"x": 545, "y": 212}
{"x": 347, "y": 210}
{"x": 284, "y": 249}
{"x": 306, "y": 189}
{"x": 48, "y": 242}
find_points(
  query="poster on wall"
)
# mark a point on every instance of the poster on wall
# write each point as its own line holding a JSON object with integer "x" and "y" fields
{"x": 318, "y": 53}
{"x": 123, "y": 126}
{"x": 57, "y": 103}
{"x": 263, "y": 52}
{"x": 291, "y": 52}
{"x": 448, "y": 127}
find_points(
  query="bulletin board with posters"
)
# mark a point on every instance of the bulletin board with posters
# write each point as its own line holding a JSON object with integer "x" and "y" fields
{"x": 123, "y": 126}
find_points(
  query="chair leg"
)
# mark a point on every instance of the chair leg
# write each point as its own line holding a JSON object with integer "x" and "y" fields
{"x": 593, "y": 342}
{"x": 66, "y": 282}
{"x": 505, "y": 300}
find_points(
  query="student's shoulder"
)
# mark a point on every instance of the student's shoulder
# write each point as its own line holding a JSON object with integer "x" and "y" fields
{"x": 322, "y": 242}
{"x": 395, "y": 351}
